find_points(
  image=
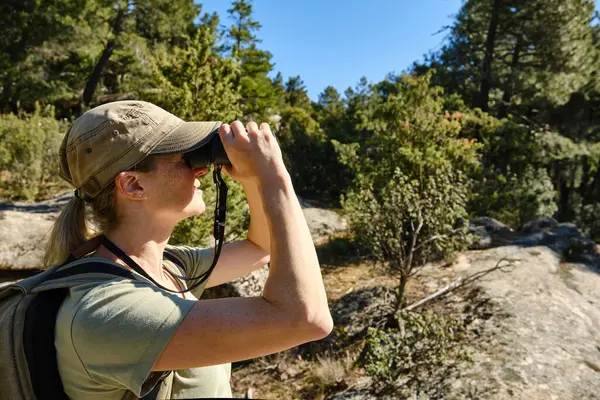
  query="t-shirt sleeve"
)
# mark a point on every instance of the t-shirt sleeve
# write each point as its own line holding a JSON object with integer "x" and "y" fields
{"x": 196, "y": 261}
{"x": 121, "y": 328}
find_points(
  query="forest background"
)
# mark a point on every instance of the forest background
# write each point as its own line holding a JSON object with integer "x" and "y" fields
{"x": 502, "y": 121}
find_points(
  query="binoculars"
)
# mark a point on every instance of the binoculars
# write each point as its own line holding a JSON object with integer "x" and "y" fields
{"x": 211, "y": 153}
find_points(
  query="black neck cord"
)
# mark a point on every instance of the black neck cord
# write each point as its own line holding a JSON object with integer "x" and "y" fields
{"x": 219, "y": 234}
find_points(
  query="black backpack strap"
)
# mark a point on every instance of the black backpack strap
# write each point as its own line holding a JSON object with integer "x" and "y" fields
{"x": 94, "y": 267}
{"x": 40, "y": 325}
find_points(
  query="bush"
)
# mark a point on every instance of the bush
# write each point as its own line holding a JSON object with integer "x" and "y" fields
{"x": 418, "y": 359}
{"x": 411, "y": 179}
{"x": 589, "y": 222}
{"x": 517, "y": 198}
{"x": 29, "y": 155}
{"x": 311, "y": 158}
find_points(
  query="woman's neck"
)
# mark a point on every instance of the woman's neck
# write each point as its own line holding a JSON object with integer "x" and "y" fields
{"x": 144, "y": 243}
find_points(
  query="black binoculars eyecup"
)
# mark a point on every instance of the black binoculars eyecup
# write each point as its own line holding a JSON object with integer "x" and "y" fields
{"x": 209, "y": 154}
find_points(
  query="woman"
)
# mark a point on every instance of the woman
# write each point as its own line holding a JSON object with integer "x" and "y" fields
{"x": 116, "y": 337}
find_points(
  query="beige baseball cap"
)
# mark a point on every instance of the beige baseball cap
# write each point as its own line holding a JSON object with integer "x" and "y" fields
{"x": 114, "y": 137}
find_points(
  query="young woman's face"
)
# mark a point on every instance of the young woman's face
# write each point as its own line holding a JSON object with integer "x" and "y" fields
{"x": 172, "y": 188}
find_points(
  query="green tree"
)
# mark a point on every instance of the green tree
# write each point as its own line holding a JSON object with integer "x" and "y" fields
{"x": 502, "y": 53}
{"x": 412, "y": 183}
{"x": 241, "y": 33}
{"x": 155, "y": 20}
{"x": 330, "y": 112}
{"x": 32, "y": 64}
{"x": 258, "y": 97}
{"x": 68, "y": 53}
{"x": 296, "y": 94}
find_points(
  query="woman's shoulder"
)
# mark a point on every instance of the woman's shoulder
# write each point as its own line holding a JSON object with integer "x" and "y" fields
{"x": 188, "y": 257}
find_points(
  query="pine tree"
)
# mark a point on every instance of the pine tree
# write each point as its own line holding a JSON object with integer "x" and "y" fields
{"x": 258, "y": 98}
{"x": 503, "y": 53}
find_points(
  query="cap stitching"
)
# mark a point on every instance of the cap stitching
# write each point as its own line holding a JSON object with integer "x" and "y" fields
{"x": 93, "y": 132}
{"x": 85, "y": 137}
{"x": 111, "y": 162}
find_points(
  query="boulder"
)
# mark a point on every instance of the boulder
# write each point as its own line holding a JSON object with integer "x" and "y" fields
{"x": 566, "y": 229}
{"x": 564, "y": 239}
{"x": 491, "y": 225}
{"x": 248, "y": 286}
{"x": 482, "y": 239}
{"x": 539, "y": 224}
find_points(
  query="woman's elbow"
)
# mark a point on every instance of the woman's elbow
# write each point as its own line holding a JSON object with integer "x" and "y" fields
{"x": 319, "y": 325}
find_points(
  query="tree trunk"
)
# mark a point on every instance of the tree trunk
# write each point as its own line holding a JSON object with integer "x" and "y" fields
{"x": 392, "y": 319}
{"x": 7, "y": 103}
{"x": 564, "y": 197}
{"x": 94, "y": 78}
{"x": 400, "y": 293}
{"x": 490, "y": 42}
{"x": 510, "y": 83}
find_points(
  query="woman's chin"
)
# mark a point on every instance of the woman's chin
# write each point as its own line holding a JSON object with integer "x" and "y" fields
{"x": 197, "y": 207}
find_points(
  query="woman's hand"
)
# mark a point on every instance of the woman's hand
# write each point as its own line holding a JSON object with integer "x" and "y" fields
{"x": 254, "y": 152}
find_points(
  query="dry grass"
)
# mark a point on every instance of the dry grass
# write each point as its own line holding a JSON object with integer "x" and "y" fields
{"x": 330, "y": 370}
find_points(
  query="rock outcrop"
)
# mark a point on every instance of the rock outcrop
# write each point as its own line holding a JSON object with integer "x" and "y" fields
{"x": 24, "y": 228}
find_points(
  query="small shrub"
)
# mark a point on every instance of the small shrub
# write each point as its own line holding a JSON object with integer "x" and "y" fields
{"x": 515, "y": 198}
{"x": 589, "y": 222}
{"x": 29, "y": 147}
{"x": 419, "y": 358}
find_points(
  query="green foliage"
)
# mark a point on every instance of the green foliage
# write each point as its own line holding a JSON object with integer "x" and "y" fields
{"x": 241, "y": 33}
{"x": 418, "y": 359}
{"x": 588, "y": 220}
{"x": 192, "y": 82}
{"x": 310, "y": 157}
{"x": 411, "y": 178}
{"x": 296, "y": 94}
{"x": 258, "y": 94}
{"x": 59, "y": 46}
{"x": 29, "y": 154}
{"x": 539, "y": 51}
{"x": 514, "y": 184}
{"x": 399, "y": 222}
{"x": 530, "y": 63}
{"x": 516, "y": 199}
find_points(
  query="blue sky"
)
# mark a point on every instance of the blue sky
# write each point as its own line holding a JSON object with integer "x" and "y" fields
{"x": 335, "y": 42}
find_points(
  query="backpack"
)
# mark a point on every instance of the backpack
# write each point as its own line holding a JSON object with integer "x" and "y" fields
{"x": 28, "y": 312}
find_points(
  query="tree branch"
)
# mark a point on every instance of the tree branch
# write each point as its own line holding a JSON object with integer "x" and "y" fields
{"x": 460, "y": 282}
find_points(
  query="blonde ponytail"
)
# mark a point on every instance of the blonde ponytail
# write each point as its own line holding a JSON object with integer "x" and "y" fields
{"x": 72, "y": 229}
{"x": 69, "y": 232}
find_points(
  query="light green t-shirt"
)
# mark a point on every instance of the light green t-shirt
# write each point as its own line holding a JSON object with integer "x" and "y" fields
{"x": 110, "y": 333}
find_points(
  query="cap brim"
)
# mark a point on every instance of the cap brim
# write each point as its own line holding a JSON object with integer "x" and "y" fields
{"x": 186, "y": 137}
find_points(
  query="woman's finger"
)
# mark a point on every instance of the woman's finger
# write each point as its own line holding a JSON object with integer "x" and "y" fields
{"x": 251, "y": 127}
{"x": 238, "y": 130}
{"x": 265, "y": 127}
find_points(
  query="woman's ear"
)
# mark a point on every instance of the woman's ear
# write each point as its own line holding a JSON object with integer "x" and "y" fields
{"x": 129, "y": 186}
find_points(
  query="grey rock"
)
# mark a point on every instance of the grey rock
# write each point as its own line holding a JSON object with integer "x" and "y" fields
{"x": 532, "y": 240}
{"x": 489, "y": 224}
{"x": 248, "y": 286}
{"x": 539, "y": 224}
{"x": 566, "y": 229}
{"x": 482, "y": 239}
{"x": 542, "y": 323}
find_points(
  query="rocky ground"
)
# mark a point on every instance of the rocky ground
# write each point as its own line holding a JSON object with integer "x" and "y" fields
{"x": 534, "y": 324}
